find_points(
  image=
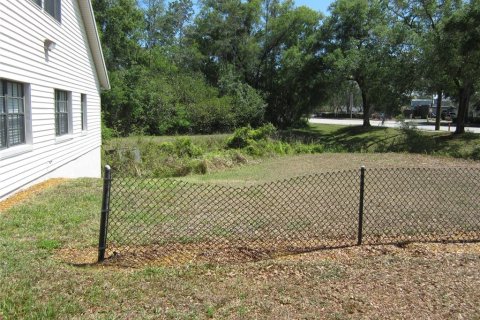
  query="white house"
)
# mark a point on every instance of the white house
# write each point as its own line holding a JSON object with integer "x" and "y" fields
{"x": 51, "y": 72}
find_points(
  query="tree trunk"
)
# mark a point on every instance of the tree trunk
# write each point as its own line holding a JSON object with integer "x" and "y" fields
{"x": 366, "y": 109}
{"x": 439, "y": 110}
{"x": 464, "y": 94}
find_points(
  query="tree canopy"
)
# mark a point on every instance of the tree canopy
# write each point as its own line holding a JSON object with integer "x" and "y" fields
{"x": 213, "y": 66}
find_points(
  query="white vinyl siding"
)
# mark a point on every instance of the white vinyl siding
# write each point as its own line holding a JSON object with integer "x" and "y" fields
{"x": 23, "y": 30}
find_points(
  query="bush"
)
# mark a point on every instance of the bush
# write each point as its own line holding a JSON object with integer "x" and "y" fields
{"x": 247, "y": 136}
{"x": 107, "y": 133}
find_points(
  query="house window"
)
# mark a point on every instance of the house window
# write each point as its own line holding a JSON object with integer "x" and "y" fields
{"x": 52, "y": 7}
{"x": 12, "y": 114}
{"x": 83, "y": 111}
{"x": 62, "y": 115}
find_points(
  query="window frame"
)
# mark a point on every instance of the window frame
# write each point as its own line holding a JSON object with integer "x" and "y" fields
{"x": 83, "y": 112}
{"x": 56, "y": 6}
{"x": 22, "y": 130}
{"x": 63, "y": 116}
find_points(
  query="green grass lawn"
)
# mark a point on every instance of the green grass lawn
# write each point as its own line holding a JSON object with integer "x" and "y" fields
{"x": 40, "y": 236}
{"x": 48, "y": 241}
{"x": 278, "y": 168}
{"x": 379, "y": 139}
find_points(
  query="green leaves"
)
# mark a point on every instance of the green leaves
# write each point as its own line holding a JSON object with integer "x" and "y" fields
{"x": 236, "y": 62}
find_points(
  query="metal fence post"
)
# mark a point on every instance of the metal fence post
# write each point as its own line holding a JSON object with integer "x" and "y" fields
{"x": 360, "y": 210}
{"x": 102, "y": 242}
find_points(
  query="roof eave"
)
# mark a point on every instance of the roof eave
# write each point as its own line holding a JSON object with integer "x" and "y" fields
{"x": 94, "y": 42}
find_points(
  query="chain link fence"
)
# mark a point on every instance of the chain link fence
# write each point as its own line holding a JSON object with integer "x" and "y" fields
{"x": 175, "y": 221}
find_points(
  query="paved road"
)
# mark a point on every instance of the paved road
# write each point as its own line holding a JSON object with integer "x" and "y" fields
{"x": 420, "y": 124}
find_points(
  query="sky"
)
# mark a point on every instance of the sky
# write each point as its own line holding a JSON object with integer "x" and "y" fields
{"x": 319, "y": 5}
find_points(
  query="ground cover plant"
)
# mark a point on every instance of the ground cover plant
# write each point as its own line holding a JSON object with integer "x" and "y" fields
{"x": 48, "y": 241}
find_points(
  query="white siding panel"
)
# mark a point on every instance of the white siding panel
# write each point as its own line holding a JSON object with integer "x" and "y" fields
{"x": 23, "y": 29}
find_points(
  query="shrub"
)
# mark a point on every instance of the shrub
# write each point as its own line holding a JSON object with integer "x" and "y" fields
{"x": 184, "y": 147}
{"x": 107, "y": 133}
{"x": 246, "y": 136}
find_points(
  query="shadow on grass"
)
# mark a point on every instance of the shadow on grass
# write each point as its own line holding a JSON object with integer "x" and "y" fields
{"x": 240, "y": 255}
{"x": 348, "y": 139}
{"x": 380, "y": 139}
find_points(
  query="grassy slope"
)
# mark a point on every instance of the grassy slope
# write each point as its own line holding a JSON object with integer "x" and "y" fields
{"x": 287, "y": 167}
{"x": 361, "y": 144}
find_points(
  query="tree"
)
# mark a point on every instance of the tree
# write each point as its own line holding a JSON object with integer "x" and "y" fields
{"x": 357, "y": 43}
{"x": 289, "y": 72}
{"x": 154, "y": 12}
{"x": 460, "y": 41}
{"x": 121, "y": 25}
{"x": 426, "y": 18}
{"x": 178, "y": 16}
{"x": 224, "y": 33}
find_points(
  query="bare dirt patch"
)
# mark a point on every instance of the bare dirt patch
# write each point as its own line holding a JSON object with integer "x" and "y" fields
{"x": 177, "y": 255}
{"x": 78, "y": 257}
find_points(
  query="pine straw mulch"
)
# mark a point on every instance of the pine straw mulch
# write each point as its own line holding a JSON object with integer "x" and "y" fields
{"x": 180, "y": 255}
{"x": 407, "y": 281}
{"x": 28, "y": 193}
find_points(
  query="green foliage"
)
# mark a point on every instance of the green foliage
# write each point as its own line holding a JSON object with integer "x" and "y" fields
{"x": 107, "y": 133}
{"x": 167, "y": 159}
{"x": 246, "y": 136}
{"x": 248, "y": 104}
{"x": 145, "y": 102}
{"x": 292, "y": 71}
{"x": 120, "y": 23}
{"x": 234, "y": 63}
{"x": 183, "y": 156}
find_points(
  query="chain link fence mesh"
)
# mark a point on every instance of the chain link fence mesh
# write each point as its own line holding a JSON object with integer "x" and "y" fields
{"x": 422, "y": 204}
{"x": 174, "y": 221}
